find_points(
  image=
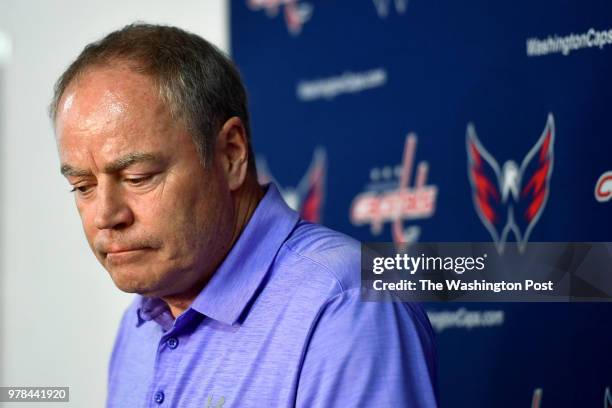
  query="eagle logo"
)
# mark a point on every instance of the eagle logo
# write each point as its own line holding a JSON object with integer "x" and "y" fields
{"x": 308, "y": 197}
{"x": 512, "y": 197}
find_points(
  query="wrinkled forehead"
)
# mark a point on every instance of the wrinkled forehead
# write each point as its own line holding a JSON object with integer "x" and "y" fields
{"x": 111, "y": 111}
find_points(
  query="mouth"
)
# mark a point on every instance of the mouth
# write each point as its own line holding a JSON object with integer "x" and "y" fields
{"x": 117, "y": 256}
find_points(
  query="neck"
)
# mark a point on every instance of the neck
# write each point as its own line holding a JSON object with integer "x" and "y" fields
{"x": 246, "y": 199}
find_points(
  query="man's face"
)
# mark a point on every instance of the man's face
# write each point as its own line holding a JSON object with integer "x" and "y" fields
{"x": 155, "y": 218}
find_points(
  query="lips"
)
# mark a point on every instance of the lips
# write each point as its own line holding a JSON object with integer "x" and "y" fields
{"x": 114, "y": 247}
{"x": 126, "y": 255}
{"x": 123, "y": 250}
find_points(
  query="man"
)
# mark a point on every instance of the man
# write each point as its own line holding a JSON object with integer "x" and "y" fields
{"x": 240, "y": 303}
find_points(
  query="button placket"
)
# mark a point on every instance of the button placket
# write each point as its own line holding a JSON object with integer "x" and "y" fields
{"x": 172, "y": 342}
{"x": 159, "y": 397}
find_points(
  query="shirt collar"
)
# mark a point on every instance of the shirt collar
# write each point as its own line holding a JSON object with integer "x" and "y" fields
{"x": 234, "y": 283}
{"x": 154, "y": 309}
{"x": 236, "y": 280}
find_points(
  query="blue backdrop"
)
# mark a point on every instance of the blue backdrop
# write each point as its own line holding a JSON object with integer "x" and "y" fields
{"x": 360, "y": 113}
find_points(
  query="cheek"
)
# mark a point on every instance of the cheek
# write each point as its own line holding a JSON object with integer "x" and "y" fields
{"x": 199, "y": 220}
{"x": 87, "y": 214}
{"x": 169, "y": 215}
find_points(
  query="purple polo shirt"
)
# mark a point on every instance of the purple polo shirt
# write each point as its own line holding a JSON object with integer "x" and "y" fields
{"x": 280, "y": 324}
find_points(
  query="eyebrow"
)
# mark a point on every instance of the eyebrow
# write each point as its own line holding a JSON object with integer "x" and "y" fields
{"x": 120, "y": 164}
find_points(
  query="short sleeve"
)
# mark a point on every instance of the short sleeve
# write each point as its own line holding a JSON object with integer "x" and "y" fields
{"x": 369, "y": 354}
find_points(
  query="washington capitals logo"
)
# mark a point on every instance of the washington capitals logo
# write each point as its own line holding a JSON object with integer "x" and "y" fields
{"x": 307, "y": 198}
{"x": 296, "y": 13}
{"x": 391, "y": 198}
{"x": 511, "y": 198}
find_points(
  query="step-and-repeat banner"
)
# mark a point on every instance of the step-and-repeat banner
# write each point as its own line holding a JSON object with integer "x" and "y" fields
{"x": 413, "y": 120}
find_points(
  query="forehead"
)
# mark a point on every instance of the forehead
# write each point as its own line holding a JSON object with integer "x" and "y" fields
{"x": 107, "y": 90}
{"x": 111, "y": 111}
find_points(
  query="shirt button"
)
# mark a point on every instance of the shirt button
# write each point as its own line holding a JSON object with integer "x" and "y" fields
{"x": 159, "y": 397}
{"x": 173, "y": 342}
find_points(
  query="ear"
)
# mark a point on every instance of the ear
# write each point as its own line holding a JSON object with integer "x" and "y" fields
{"x": 232, "y": 150}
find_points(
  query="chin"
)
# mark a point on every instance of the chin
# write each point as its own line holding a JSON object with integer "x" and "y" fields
{"x": 132, "y": 280}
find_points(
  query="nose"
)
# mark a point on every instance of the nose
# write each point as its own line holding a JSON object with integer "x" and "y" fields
{"x": 112, "y": 212}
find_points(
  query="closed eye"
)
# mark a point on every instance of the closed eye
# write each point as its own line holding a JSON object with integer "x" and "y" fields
{"x": 81, "y": 189}
{"x": 137, "y": 181}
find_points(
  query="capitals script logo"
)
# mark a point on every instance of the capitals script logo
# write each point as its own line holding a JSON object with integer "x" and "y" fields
{"x": 296, "y": 13}
{"x": 308, "y": 197}
{"x": 603, "y": 187}
{"x": 390, "y": 198}
{"x": 511, "y": 198}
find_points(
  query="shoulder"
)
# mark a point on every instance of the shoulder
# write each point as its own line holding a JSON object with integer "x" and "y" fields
{"x": 332, "y": 255}
{"x": 329, "y": 263}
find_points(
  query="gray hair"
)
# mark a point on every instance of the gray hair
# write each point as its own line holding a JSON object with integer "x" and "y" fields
{"x": 198, "y": 83}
